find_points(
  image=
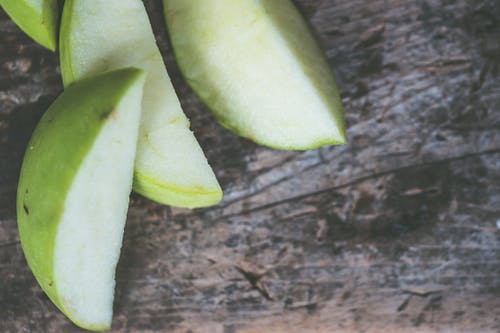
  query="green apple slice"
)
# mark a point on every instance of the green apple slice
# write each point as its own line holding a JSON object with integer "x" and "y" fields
{"x": 38, "y": 18}
{"x": 258, "y": 67}
{"x": 74, "y": 190}
{"x": 98, "y": 35}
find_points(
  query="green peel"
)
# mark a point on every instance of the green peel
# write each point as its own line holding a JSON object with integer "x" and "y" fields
{"x": 38, "y": 18}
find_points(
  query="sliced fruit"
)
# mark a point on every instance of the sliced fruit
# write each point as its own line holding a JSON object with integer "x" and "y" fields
{"x": 98, "y": 35}
{"x": 74, "y": 190}
{"x": 38, "y": 18}
{"x": 258, "y": 67}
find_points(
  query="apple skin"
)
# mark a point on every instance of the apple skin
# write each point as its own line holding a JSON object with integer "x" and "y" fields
{"x": 176, "y": 196}
{"x": 153, "y": 176}
{"x": 37, "y": 18}
{"x": 57, "y": 148}
{"x": 216, "y": 44}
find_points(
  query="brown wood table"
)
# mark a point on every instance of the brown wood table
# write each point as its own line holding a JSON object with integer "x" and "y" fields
{"x": 397, "y": 231}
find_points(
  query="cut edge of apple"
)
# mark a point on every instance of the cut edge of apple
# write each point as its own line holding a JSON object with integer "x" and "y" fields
{"x": 94, "y": 272}
{"x": 253, "y": 116}
{"x": 158, "y": 176}
{"x": 89, "y": 230}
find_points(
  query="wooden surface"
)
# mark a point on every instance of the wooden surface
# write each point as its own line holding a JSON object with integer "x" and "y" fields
{"x": 395, "y": 232}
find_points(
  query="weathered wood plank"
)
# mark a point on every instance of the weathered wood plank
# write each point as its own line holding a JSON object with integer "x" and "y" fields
{"x": 394, "y": 232}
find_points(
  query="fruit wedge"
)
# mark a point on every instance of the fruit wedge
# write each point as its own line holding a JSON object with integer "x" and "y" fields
{"x": 38, "y": 18}
{"x": 74, "y": 191}
{"x": 258, "y": 67}
{"x": 99, "y": 35}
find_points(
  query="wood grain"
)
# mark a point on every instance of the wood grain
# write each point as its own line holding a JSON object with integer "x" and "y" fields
{"x": 394, "y": 232}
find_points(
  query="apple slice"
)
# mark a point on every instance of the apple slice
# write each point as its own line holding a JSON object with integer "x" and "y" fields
{"x": 38, "y": 18}
{"x": 258, "y": 67}
{"x": 74, "y": 190}
{"x": 98, "y": 35}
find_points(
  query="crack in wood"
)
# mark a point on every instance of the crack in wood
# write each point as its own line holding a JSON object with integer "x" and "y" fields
{"x": 255, "y": 280}
{"x": 362, "y": 179}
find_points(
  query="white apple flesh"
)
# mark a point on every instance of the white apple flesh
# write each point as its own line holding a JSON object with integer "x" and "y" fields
{"x": 258, "y": 67}
{"x": 99, "y": 35}
{"x": 74, "y": 191}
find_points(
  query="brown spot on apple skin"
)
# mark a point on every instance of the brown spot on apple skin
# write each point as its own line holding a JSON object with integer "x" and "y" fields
{"x": 108, "y": 114}
{"x": 104, "y": 115}
{"x": 26, "y": 209}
